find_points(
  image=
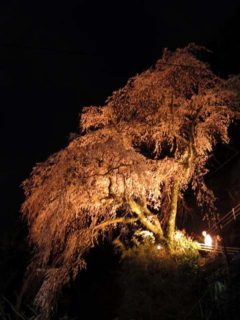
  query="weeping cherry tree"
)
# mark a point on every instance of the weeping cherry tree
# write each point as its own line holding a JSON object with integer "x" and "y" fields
{"x": 132, "y": 162}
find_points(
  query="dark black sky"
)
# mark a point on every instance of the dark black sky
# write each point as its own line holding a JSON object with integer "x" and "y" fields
{"x": 59, "y": 56}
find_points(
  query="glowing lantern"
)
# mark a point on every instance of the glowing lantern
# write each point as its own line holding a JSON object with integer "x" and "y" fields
{"x": 207, "y": 239}
{"x": 159, "y": 247}
{"x": 178, "y": 235}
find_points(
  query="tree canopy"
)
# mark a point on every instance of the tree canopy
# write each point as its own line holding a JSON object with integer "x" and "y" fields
{"x": 134, "y": 158}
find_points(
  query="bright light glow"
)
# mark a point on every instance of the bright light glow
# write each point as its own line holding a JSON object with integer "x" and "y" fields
{"x": 159, "y": 247}
{"x": 178, "y": 235}
{"x": 207, "y": 239}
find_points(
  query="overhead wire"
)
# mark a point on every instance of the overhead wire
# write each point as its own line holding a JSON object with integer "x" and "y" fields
{"x": 227, "y": 218}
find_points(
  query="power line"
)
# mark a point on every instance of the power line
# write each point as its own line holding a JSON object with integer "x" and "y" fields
{"x": 227, "y": 218}
{"x": 223, "y": 164}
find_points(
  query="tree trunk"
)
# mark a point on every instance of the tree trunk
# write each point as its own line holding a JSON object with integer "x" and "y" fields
{"x": 173, "y": 211}
{"x": 175, "y": 193}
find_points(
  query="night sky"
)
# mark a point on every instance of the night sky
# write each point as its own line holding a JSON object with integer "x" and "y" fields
{"x": 59, "y": 56}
